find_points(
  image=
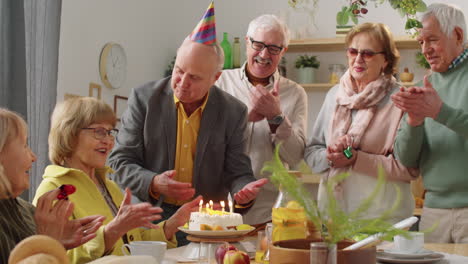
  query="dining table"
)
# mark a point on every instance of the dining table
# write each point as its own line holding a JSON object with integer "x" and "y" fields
{"x": 453, "y": 253}
{"x": 456, "y": 249}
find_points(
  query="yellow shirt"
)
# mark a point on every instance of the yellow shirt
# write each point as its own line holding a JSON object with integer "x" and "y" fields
{"x": 187, "y": 135}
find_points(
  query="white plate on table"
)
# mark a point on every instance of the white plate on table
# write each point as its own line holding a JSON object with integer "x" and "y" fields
{"x": 398, "y": 254}
{"x": 384, "y": 257}
{"x": 220, "y": 233}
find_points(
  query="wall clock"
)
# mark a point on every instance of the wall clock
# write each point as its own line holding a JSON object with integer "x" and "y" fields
{"x": 113, "y": 65}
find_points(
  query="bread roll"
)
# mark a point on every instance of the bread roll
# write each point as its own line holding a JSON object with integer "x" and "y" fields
{"x": 38, "y": 244}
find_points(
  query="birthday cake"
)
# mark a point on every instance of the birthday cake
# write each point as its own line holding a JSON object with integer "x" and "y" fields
{"x": 210, "y": 219}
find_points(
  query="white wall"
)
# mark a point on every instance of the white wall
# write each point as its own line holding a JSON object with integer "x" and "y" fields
{"x": 151, "y": 30}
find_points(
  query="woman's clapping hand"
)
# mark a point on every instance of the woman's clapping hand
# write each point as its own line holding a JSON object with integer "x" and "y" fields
{"x": 181, "y": 217}
{"x": 130, "y": 216}
{"x": 54, "y": 220}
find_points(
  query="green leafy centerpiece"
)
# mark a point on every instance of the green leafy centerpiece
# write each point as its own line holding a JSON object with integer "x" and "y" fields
{"x": 332, "y": 222}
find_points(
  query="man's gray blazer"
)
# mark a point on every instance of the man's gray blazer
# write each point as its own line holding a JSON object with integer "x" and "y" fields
{"x": 146, "y": 143}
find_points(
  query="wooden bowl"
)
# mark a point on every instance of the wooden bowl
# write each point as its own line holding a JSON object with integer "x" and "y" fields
{"x": 298, "y": 251}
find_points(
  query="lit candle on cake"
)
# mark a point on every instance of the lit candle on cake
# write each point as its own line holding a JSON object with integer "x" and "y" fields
{"x": 230, "y": 207}
{"x": 200, "y": 206}
{"x": 207, "y": 206}
{"x": 222, "y": 206}
{"x": 211, "y": 204}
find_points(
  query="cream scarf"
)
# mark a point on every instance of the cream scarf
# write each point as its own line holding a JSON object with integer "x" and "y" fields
{"x": 365, "y": 102}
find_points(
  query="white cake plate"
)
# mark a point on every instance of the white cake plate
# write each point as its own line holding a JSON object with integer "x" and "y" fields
{"x": 207, "y": 241}
{"x": 215, "y": 234}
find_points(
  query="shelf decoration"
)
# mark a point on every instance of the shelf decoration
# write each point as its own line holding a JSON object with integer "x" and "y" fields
{"x": 406, "y": 8}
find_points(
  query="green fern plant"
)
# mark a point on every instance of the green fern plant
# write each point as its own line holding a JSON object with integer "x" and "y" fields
{"x": 333, "y": 223}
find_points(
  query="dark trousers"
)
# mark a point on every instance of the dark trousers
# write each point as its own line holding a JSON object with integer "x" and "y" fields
{"x": 169, "y": 210}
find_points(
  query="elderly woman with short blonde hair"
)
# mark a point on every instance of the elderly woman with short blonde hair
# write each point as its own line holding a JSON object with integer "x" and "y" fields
{"x": 18, "y": 218}
{"x": 81, "y": 137}
{"x": 357, "y": 124}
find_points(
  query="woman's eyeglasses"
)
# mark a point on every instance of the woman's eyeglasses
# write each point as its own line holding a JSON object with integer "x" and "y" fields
{"x": 259, "y": 46}
{"x": 366, "y": 54}
{"x": 101, "y": 133}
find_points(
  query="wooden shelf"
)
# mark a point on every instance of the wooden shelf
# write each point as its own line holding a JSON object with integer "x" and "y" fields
{"x": 338, "y": 44}
{"x": 323, "y": 87}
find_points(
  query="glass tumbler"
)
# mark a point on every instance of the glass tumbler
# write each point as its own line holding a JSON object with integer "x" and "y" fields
{"x": 336, "y": 71}
{"x": 322, "y": 253}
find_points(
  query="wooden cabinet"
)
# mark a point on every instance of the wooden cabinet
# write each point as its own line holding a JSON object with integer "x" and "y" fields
{"x": 338, "y": 44}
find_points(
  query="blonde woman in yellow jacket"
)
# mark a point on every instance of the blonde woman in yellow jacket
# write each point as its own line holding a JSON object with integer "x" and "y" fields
{"x": 81, "y": 137}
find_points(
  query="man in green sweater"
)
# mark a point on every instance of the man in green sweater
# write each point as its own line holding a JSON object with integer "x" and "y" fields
{"x": 434, "y": 132}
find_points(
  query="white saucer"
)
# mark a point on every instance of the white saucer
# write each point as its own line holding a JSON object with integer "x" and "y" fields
{"x": 384, "y": 257}
{"x": 398, "y": 254}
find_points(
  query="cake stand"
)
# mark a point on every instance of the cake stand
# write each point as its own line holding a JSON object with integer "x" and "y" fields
{"x": 204, "y": 243}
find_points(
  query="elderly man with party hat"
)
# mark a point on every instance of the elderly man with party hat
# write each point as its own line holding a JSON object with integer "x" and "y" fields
{"x": 182, "y": 136}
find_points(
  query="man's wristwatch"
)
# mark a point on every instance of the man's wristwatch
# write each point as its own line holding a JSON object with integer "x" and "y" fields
{"x": 277, "y": 120}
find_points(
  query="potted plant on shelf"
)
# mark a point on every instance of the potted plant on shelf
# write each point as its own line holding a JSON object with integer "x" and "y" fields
{"x": 306, "y": 66}
{"x": 334, "y": 225}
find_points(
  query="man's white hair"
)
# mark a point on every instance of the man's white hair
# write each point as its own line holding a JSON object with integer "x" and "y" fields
{"x": 268, "y": 23}
{"x": 449, "y": 17}
{"x": 220, "y": 52}
{"x": 217, "y": 49}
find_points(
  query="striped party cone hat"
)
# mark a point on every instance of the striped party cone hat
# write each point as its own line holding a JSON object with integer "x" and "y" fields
{"x": 205, "y": 31}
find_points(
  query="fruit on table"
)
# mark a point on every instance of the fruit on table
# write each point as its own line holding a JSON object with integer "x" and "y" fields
{"x": 244, "y": 227}
{"x": 218, "y": 228}
{"x": 221, "y": 251}
{"x": 206, "y": 227}
{"x": 236, "y": 257}
{"x": 293, "y": 205}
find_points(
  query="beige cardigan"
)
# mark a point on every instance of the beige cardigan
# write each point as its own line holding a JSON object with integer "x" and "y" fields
{"x": 376, "y": 148}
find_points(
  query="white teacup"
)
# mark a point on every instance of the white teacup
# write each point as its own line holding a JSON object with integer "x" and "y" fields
{"x": 156, "y": 249}
{"x": 410, "y": 245}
